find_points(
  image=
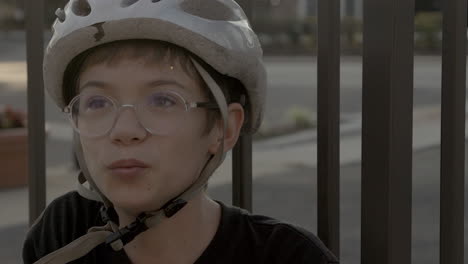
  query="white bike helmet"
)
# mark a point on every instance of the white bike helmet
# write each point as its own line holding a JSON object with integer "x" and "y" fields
{"x": 217, "y": 31}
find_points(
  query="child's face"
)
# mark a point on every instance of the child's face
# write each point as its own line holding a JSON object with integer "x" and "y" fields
{"x": 173, "y": 161}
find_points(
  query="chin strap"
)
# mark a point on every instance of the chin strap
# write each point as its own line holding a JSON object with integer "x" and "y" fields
{"x": 93, "y": 193}
{"x": 110, "y": 234}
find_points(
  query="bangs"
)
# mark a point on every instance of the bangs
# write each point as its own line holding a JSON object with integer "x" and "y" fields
{"x": 151, "y": 52}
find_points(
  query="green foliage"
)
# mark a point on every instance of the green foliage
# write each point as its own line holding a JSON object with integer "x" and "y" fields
{"x": 309, "y": 34}
{"x": 310, "y": 25}
{"x": 428, "y": 31}
{"x": 301, "y": 117}
{"x": 287, "y": 36}
{"x": 8, "y": 19}
{"x": 351, "y": 34}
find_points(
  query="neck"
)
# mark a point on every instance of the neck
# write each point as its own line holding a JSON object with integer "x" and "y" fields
{"x": 189, "y": 231}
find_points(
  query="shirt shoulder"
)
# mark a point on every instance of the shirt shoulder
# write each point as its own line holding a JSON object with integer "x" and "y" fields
{"x": 263, "y": 239}
{"x": 289, "y": 243}
{"x": 65, "y": 219}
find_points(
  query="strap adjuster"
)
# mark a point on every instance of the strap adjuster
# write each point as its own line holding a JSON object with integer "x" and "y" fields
{"x": 124, "y": 235}
{"x": 172, "y": 207}
{"x": 108, "y": 214}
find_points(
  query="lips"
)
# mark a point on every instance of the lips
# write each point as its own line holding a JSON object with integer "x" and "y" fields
{"x": 128, "y": 163}
{"x": 128, "y": 169}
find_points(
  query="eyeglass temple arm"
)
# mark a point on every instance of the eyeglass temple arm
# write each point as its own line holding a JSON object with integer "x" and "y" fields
{"x": 212, "y": 105}
{"x": 209, "y": 105}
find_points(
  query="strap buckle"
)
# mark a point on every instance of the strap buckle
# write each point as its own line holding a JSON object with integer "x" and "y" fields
{"x": 174, "y": 206}
{"x": 124, "y": 235}
{"x": 108, "y": 214}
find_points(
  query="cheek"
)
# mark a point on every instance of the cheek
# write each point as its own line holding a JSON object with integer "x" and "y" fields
{"x": 186, "y": 156}
{"x": 91, "y": 152}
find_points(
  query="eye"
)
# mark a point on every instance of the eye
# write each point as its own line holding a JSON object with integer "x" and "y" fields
{"x": 162, "y": 100}
{"x": 97, "y": 103}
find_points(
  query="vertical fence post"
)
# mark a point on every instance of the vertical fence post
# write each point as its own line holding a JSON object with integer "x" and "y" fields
{"x": 242, "y": 152}
{"x": 328, "y": 133}
{"x": 387, "y": 131}
{"x": 242, "y": 173}
{"x": 35, "y": 94}
{"x": 452, "y": 181}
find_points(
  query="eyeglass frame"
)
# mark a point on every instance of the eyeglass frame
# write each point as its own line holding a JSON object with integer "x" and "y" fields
{"x": 119, "y": 106}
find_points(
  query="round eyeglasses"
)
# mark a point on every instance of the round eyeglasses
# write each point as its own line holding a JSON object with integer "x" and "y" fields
{"x": 160, "y": 113}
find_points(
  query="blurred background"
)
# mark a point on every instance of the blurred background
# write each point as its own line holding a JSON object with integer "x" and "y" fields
{"x": 285, "y": 27}
{"x": 284, "y": 150}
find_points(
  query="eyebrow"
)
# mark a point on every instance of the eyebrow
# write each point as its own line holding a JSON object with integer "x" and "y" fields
{"x": 164, "y": 82}
{"x": 159, "y": 82}
{"x": 97, "y": 84}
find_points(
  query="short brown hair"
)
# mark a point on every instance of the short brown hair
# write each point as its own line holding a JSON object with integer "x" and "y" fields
{"x": 153, "y": 51}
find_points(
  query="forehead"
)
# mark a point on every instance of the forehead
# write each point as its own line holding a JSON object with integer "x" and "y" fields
{"x": 149, "y": 51}
{"x": 138, "y": 60}
{"x": 129, "y": 77}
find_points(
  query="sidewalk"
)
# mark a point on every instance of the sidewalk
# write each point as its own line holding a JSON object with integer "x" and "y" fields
{"x": 284, "y": 186}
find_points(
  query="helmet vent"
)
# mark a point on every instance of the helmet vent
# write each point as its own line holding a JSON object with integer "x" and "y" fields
{"x": 81, "y": 8}
{"x": 209, "y": 9}
{"x": 60, "y": 14}
{"x": 155, "y": 1}
{"x": 127, "y": 3}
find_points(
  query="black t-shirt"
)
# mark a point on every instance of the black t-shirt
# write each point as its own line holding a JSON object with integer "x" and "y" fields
{"x": 240, "y": 238}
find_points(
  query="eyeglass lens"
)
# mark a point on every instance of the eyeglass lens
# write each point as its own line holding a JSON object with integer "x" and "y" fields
{"x": 160, "y": 113}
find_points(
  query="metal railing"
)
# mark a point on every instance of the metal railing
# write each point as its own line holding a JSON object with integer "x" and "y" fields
{"x": 242, "y": 153}
{"x": 387, "y": 116}
{"x": 452, "y": 170}
{"x": 328, "y": 132}
{"x": 386, "y": 130}
{"x": 36, "y": 125}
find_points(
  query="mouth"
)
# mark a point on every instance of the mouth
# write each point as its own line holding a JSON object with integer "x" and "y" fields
{"x": 128, "y": 168}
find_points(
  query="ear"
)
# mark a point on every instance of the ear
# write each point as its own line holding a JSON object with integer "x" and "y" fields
{"x": 234, "y": 125}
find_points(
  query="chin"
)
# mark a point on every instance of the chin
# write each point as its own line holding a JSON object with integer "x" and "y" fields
{"x": 134, "y": 201}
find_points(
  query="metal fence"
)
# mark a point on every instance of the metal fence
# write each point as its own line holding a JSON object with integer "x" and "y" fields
{"x": 386, "y": 128}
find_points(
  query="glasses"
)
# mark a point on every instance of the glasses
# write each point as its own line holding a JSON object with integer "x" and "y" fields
{"x": 160, "y": 113}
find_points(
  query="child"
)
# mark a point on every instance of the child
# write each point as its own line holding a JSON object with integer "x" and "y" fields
{"x": 157, "y": 92}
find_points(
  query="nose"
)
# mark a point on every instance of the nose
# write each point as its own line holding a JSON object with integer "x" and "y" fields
{"x": 127, "y": 129}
